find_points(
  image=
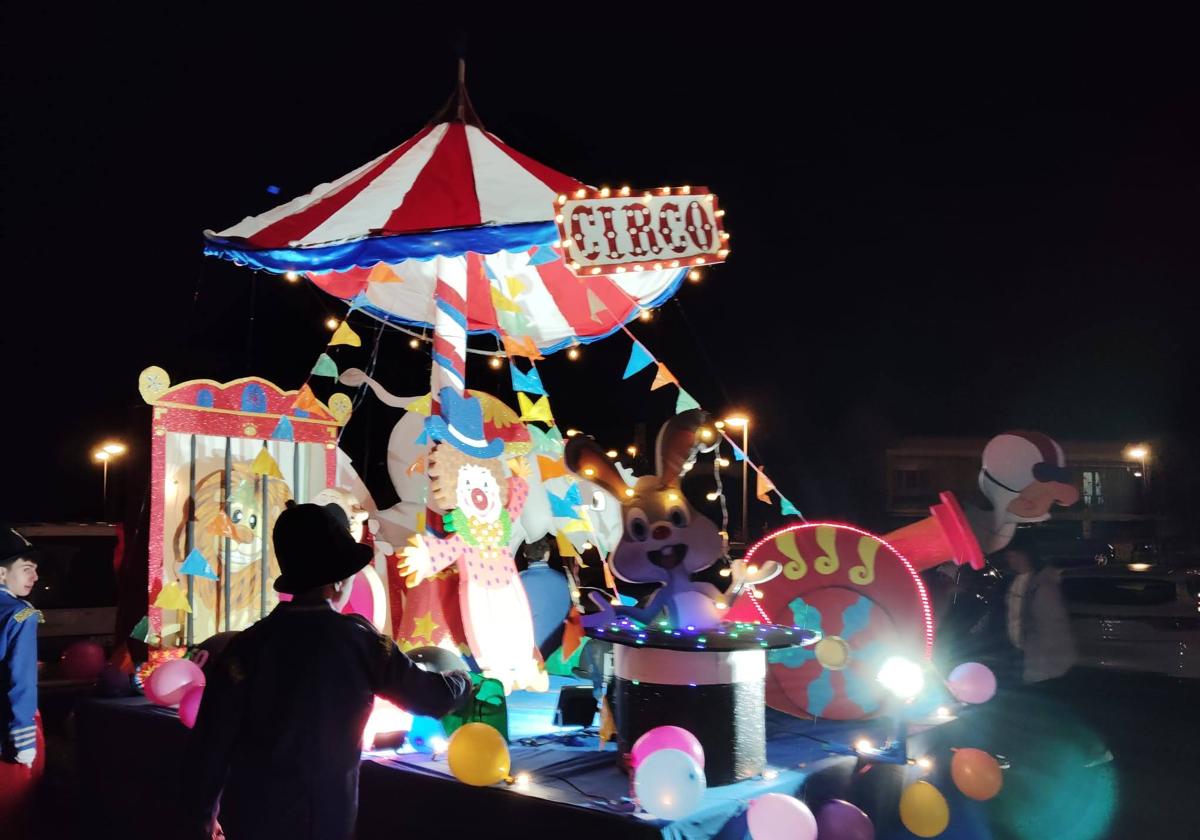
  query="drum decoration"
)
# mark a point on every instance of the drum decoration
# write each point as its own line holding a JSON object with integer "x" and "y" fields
{"x": 861, "y": 595}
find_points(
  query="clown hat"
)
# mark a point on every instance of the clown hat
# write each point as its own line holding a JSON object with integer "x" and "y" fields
{"x": 461, "y": 425}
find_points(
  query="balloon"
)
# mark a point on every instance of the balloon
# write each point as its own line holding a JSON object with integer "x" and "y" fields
{"x": 82, "y": 660}
{"x": 777, "y": 816}
{"x": 669, "y": 784}
{"x": 843, "y": 821}
{"x": 971, "y": 682}
{"x": 189, "y": 705}
{"x": 114, "y": 682}
{"x": 923, "y": 810}
{"x": 976, "y": 774}
{"x": 167, "y": 683}
{"x": 666, "y": 738}
{"x": 437, "y": 659}
{"x": 478, "y": 755}
{"x": 424, "y": 734}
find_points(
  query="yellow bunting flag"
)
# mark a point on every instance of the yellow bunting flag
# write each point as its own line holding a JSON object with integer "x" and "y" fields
{"x": 421, "y": 405}
{"x": 663, "y": 377}
{"x": 765, "y": 486}
{"x": 565, "y": 546}
{"x": 535, "y": 411}
{"x": 501, "y": 303}
{"x": 172, "y": 598}
{"x": 382, "y": 273}
{"x": 551, "y": 468}
{"x": 577, "y": 526}
{"x": 420, "y": 522}
{"x": 523, "y": 346}
{"x": 264, "y": 464}
{"x": 515, "y": 286}
{"x": 344, "y": 335}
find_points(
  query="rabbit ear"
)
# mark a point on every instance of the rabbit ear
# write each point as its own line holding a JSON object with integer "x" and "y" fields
{"x": 584, "y": 457}
{"x": 677, "y": 442}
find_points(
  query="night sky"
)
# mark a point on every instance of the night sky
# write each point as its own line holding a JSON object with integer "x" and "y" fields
{"x": 932, "y": 233}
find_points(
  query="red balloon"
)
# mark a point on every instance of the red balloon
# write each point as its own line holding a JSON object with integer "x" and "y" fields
{"x": 167, "y": 683}
{"x": 82, "y": 660}
{"x": 976, "y": 774}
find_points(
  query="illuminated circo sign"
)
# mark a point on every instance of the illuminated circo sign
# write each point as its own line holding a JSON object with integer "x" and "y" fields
{"x": 613, "y": 231}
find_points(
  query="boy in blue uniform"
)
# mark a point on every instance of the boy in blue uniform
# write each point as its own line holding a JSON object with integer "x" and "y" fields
{"x": 18, "y": 680}
{"x": 276, "y": 745}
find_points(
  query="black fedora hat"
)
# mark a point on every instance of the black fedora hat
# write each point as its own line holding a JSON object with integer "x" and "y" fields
{"x": 314, "y": 548}
{"x": 12, "y": 544}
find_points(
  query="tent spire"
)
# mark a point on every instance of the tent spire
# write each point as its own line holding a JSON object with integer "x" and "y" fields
{"x": 458, "y": 107}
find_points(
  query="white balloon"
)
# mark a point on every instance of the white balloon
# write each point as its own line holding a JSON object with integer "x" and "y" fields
{"x": 777, "y": 816}
{"x": 669, "y": 784}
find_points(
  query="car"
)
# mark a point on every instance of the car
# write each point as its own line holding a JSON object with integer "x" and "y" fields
{"x": 1137, "y": 617}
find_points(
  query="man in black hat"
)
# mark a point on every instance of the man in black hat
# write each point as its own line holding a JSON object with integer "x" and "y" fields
{"x": 277, "y": 738}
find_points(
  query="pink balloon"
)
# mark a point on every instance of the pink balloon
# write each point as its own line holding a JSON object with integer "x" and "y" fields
{"x": 666, "y": 738}
{"x": 777, "y": 816}
{"x": 167, "y": 683}
{"x": 189, "y": 705}
{"x": 82, "y": 660}
{"x": 972, "y": 682}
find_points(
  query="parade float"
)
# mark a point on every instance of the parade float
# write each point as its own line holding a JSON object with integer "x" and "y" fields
{"x": 741, "y": 705}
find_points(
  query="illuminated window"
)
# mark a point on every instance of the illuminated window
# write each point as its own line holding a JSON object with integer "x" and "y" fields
{"x": 1092, "y": 489}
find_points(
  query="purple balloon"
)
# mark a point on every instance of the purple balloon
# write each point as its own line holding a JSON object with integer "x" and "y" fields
{"x": 666, "y": 738}
{"x": 972, "y": 682}
{"x": 839, "y": 820}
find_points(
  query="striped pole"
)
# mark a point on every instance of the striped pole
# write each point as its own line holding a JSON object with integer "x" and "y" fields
{"x": 450, "y": 327}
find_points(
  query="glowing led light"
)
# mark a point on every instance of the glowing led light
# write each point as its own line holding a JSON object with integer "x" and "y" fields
{"x": 573, "y": 353}
{"x": 770, "y": 773}
{"x": 722, "y": 462}
{"x": 101, "y": 455}
{"x": 751, "y": 569}
{"x": 902, "y": 677}
{"x": 414, "y": 343}
{"x": 572, "y": 432}
{"x": 629, "y": 492}
{"x": 685, "y": 190}
{"x": 521, "y": 782}
{"x": 438, "y": 744}
{"x": 495, "y": 362}
{"x": 605, "y": 192}
{"x": 562, "y": 199}
{"x": 863, "y": 745}
{"x": 589, "y": 472}
{"x": 719, "y": 213}
{"x": 331, "y": 323}
{"x": 580, "y": 193}
{"x": 616, "y": 602}
{"x": 620, "y": 269}
{"x": 925, "y": 762}
{"x": 631, "y": 451}
{"x": 292, "y": 276}
{"x": 694, "y": 275}
{"x": 725, "y": 573}
{"x": 587, "y": 546}
{"x": 115, "y": 448}
{"x": 624, "y": 190}
{"x": 658, "y": 266}
{"x": 713, "y": 496}
{"x": 706, "y": 434}
{"x": 723, "y": 253}
{"x": 943, "y": 712}
{"x": 645, "y": 315}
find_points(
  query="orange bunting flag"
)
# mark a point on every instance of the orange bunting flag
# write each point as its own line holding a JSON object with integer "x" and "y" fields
{"x": 765, "y": 486}
{"x": 572, "y": 635}
{"x": 264, "y": 464}
{"x": 344, "y": 335}
{"x": 523, "y": 346}
{"x": 306, "y": 400}
{"x": 382, "y": 273}
{"x": 221, "y": 525}
{"x": 663, "y": 377}
{"x": 551, "y": 468}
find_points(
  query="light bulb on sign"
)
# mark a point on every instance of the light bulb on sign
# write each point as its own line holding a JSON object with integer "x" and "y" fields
{"x": 612, "y": 454}
{"x": 713, "y": 496}
{"x": 694, "y": 276}
{"x": 495, "y": 362}
{"x": 331, "y": 324}
{"x": 645, "y": 315}
{"x": 573, "y": 353}
{"x": 292, "y": 276}
{"x": 414, "y": 343}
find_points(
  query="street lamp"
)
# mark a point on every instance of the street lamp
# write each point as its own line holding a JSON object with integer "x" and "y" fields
{"x": 105, "y": 453}
{"x": 1138, "y": 452}
{"x": 741, "y": 421}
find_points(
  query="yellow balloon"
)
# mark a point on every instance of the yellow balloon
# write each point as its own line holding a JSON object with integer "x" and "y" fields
{"x": 478, "y": 755}
{"x": 923, "y": 810}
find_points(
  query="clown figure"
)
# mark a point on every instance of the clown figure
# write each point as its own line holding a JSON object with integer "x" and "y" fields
{"x": 467, "y": 480}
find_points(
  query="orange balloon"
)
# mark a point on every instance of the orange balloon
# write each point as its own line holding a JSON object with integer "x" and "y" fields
{"x": 976, "y": 774}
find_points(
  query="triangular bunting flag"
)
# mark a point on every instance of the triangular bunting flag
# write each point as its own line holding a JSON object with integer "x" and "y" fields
{"x": 530, "y": 383}
{"x": 608, "y": 726}
{"x": 141, "y": 630}
{"x": 523, "y": 346}
{"x": 306, "y": 400}
{"x": 685, "y": 402}
{"x": 572, "y": 634}
{"x": 515, "y": 287}
{"x": 221, "y": 525}
{"x": 359, "y": 301}
{"x": 577, "y": 526}
{"x": 542, "y": 255}
{"x": 551, "y": 468}
{"x": 501, "y": 303}
{"x": 663, "y": 377}
{"x": 423, "y": 438}
{"x": 738, "y": 454}
{"x": 325, "y": 366}
{"x": 172, "y": 598}
{"x": 572, "y": 496}
{"x": 786, "y": 507}
{"x": 421, "y": 405}
{"x": 344, "y": 335}
{"x": 547, "y": 443}
{"x": 283, "y": 430}
{"x": 565, "y": 547}
{"x": 535, "y": 411}
{"x": 639, "y": 358}
{"x": 382, "y": 273}
{"x": 595, "y": 305}
{"x": 197, "y": 566}
{"x": 765, "y": 486}
{"x": 561, "y": 507}
{"x": 264, "y": 464}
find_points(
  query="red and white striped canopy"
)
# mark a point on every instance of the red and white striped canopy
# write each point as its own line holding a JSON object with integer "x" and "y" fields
{"x": 453, "y": 199}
